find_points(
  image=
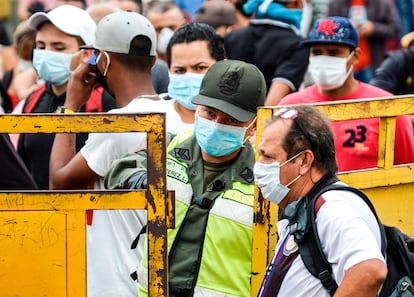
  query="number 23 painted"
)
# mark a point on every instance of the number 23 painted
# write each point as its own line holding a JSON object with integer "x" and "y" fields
{"x": 355, "y": 135}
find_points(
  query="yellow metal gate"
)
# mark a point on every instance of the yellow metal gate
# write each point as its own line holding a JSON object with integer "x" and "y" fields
{"x": 42, "y": 233}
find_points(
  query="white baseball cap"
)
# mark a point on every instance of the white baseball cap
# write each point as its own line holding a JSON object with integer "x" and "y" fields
{"x": 69, "y": 19}
{"x": 116, "y": 31}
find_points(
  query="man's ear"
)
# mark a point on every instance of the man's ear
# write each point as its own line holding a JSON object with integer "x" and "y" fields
{"x": 252, "y": 129}
{"x": 357, "y": 55}
{"x": 307, "y": 159}
{"x": 86, "y": 54}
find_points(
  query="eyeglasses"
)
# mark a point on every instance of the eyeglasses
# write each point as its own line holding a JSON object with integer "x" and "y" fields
{"x": 288, "y": 114}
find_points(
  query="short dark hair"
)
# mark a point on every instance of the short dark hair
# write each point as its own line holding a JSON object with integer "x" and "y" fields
{"x": 319, "y": 137}
{"x": 138, "y": 58}
{"x": 197, "y": 31}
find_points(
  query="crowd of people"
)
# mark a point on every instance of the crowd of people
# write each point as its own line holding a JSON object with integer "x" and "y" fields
{"x": 209, "y": 65}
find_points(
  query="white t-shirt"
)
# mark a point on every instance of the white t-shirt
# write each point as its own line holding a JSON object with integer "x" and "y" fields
{"x": 349, "y": 234}
{"x": 110, "y": 260}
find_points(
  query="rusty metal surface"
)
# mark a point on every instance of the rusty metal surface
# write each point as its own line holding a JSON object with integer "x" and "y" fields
{"x": 44, "y": 231}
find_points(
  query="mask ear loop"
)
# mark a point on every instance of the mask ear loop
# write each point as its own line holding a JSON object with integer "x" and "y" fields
{"x": 247, "y": 128}
{"x": 108, "y": 61}
{"x": 107, "y": 65}
{"x": 350, "y": 68}
{"x": 289, "y": 160}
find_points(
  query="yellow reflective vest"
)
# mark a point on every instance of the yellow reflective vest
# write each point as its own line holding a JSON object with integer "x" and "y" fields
{"x": 225, "y": 268}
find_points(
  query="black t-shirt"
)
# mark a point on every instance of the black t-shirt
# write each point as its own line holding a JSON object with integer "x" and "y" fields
{"x": 277, "y": 51}
{"x": 35, "y": 149}
{"x": 13, "y": 174}
{"x": 4, "y": 37}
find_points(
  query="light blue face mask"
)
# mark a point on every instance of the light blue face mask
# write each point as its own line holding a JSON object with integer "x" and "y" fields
{"x": 184, "y": 87}
{"x": 53, "y": 67}
{"x": 216, "y": 139}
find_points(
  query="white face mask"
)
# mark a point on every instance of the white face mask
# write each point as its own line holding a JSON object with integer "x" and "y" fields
{"x": 268, "y": 180}
{"x": 163, "y": 39}
{"x": 328, "y": 72}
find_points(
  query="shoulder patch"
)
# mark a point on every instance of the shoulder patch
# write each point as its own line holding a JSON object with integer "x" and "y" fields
{"x": 182, "y": 153}
{"x": 247, "y": 174}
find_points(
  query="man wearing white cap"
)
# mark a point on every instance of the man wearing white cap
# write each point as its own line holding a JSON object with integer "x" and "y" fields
{"x": 125, "y": 50}
{"x": 59, "y": 35}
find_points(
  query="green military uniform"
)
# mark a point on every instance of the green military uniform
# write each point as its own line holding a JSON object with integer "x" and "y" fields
{"x": 213, "y": 220}
{"x": 210, "y": 248}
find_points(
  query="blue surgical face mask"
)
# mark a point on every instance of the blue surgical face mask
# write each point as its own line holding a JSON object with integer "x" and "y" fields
{"x": 216, "y": 139}
{"x": 53, "y": 67}
{"x": 184, "y": 87}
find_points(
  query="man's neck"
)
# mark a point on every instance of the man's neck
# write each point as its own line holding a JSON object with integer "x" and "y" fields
{"x": 59, "y": 90}
{"x": 223, "y": 159}
{"x": 127, "y": 97}
{"x": 186, "y": 115}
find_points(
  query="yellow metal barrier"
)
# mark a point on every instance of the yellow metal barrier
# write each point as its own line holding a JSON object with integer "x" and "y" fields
{"x": 391, "y": 188}
{"x": 42, "y": 233}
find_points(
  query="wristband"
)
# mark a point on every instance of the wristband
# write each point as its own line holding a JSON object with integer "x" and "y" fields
{"x": 62, "y": 109}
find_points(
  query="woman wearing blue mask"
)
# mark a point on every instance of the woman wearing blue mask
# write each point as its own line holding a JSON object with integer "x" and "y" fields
{"x": 191, "y": 51}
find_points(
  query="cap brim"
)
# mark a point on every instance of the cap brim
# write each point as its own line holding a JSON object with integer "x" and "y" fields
{"x": 88, "y": 46}
{"x": 310, "y": 42}
{"x": 37, "y": 19}
{"x": 236, "y": 112}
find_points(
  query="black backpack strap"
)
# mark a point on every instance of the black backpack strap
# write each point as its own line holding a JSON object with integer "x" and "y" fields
{"x": 370, "y": 205}
{"x": 310, "y": 247}
{"x": 312, "y": 254}
{"x": 4, "y": 85}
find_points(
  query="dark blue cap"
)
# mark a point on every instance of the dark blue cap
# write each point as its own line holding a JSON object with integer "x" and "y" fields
{"x": 333, "y": 29}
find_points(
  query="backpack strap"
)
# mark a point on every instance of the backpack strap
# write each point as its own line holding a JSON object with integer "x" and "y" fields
{"x": 34, "y": 98}
{"x": 312, "y": 254}
{"x": 310, "y": 247}
{"x": 94, "y": 103}
{"x": 4, "y": 85}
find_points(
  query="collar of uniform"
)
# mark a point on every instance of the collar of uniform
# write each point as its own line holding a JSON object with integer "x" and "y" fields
{"x": 188, "y": 152}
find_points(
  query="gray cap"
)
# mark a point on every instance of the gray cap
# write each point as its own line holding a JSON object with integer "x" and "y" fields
{"x": 216, "y": 14}
{"x": 233, "y": 87}
{"x": 116, "y": 31}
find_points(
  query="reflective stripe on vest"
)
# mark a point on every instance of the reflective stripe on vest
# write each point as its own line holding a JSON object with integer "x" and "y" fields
{"x": 226, "y": 262}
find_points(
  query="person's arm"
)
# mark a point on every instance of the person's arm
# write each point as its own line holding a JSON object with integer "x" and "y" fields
{"x": 68, "y": 169}
{"x": 23, "y": 10}
{"x": 277, "y": 91}
{"x": 129, "y": 172}
{"x": 352, "y": 240}
{"x": 376, "y": 26}
{"x": 392, "y": 72}
{"x": 289, "y": 73}
{"x": 363, "y": 279}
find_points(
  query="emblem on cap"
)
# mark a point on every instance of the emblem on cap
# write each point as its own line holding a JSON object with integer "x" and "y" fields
{"x": 327, "y": 27}
{"x": 229, "y": 82}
